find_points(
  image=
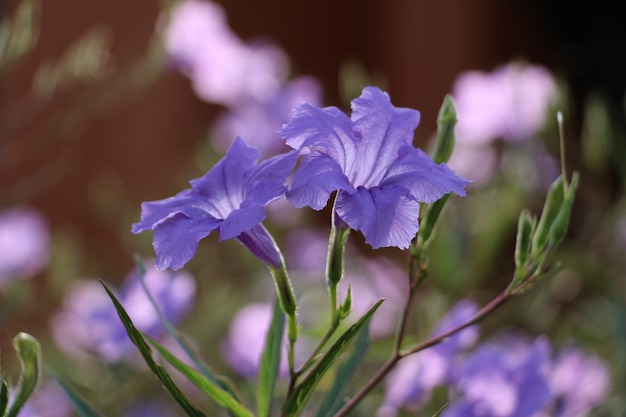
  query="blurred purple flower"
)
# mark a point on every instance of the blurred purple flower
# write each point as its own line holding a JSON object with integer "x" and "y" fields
{"x": 246, "y": 340}
{"x": 89, "y": 322}
{"x": 24, "y": 243}
{"x": 504, "y": 379}
{"x": 410, "y": 384}
{"x": 258, "y": 121}
{"x": 579, "y": 382}
{"x": 510, "y": 103}
{"x": 223, "y": 69}
{"x": 370, "y": 160}
{"x": 49, "y": 400}
{"x": 371, "y": 279}
{"x": 231, "y": 198}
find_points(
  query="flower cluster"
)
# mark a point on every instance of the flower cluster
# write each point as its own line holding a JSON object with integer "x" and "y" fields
{"x": 381, "y": 179}
{"x": 509, "y": 376}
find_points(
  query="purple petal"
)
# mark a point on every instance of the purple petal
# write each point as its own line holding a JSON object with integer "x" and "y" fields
{"x": 385, "y": 216}
{"x": 155, "y": 212}
{"x": 316, "y": 178}
{"x": 261, "y": 244}
{"x": 241, "y": 220}
{"x": 326, "y": 128}
{"x": 275, "y": 169}
{"x": 426, "y": 181}
{"x": 382, "y": 130}
{"x": 175, "y": 241}
{"x": 224, "y": 184}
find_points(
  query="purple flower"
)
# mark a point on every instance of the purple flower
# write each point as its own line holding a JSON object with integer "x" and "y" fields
{"x": 579, "y": 382}
{"x": 370, "y": 160}
{"x": 89, "y": 322}
{"x": 222, "y": 68}
{"x": 410, "y": 384}
{"x": 510, "y": 103}
{"x": 24, "y": 243}
{"x": 246, "y": 340}
{"x": 504, "y": 379}
{"x": 231, "y": 198}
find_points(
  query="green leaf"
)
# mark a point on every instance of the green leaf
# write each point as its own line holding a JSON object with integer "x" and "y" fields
{"x": 135, "y": 336}
{"x": 171, "y": 330}
{"x": 300, "y": 395}
{"x": 214, "y": 391}
{"x": 332, "y": 401}
{"x": 80, "y": 405}
{"x": 438, "y": 413}
{"x": 270, "y": 362}
{"x": 4, "y": 397}
{"x": 29, "y": 352}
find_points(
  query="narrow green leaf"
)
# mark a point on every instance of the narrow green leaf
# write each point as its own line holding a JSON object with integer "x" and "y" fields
{"x": 80, "y": 405}
{"x": 214, "y": 391}
{"x": 270, "y": 362}
{"x": 4, "y": 397}
{"x": 332, "y": 401}
{"x": 135, "y": 336}
{"x": 300, "y": 395}
{"x": 438, "y": 413}
{"x": 171, "y": 330}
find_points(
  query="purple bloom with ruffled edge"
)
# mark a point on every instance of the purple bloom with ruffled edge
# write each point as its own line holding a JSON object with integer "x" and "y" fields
{"x": 370, "y": 160}
{"x": 230, "y": 198}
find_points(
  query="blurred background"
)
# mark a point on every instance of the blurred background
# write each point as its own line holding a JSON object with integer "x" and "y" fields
{"x": 96, "y": 117}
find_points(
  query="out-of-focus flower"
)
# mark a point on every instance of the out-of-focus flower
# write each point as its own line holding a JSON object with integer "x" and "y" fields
{"x": 222, "y": 68}
{"x": 410, "y": 384}
{"x": 246, "y": 340}
{"x": 369, "y": 281}
{"x": 49, "y": 400}
{"x": 257, "y": 121}
{"x": 24, "y": 243}
{"x": 511, "y": 103}
{"x": 579, "y": 382}
{"x": 231, "y": 198}
{"x": 370, "y": 160}
{"x": 504, "y": 379}
{"x": 89, "y": 323}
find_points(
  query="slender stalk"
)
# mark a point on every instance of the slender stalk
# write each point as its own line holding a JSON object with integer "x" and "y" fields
{"x": 396, "y": 356}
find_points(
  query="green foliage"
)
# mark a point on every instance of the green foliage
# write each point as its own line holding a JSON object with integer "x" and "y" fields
{"x": 29, "y": 352}
{"x": 270, "y": 363}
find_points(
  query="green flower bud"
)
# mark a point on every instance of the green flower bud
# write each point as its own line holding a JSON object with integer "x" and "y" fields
{"x": 446, "y": 120}
{"x": 525, "y": 228}
{"x": 346, "y": 306}
{"x": 551, "y": 209}
{"x": 561, "y": 222}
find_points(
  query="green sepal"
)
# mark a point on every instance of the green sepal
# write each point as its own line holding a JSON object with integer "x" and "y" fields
{"x": 135, "y": 336}
{"x": 332, "y": 401}
{"x": 301, "y": 393}
{"x": 551, "y": 208}
{"x": 446, "y": 120}
{"x": 29, "y": 352}
{"x": 336, "y": 249}
{"x": 270, "y": 362}
{"x": 346, "y": 305}
{"x": 212, "y": 390}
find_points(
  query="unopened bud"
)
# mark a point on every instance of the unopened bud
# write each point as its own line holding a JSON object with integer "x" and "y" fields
{"x": 551, "y": 209}
{"x": 525, "y": 228}
{"x": 561, "y": 222}
{"x": 446, "y": 120}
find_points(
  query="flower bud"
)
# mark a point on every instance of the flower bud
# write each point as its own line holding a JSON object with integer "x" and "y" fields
{"x": 446, "y": 120}
{"x": 561, "y": 222}
{"x": 525, "y": 228}
{"x": 551, "y": 209}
